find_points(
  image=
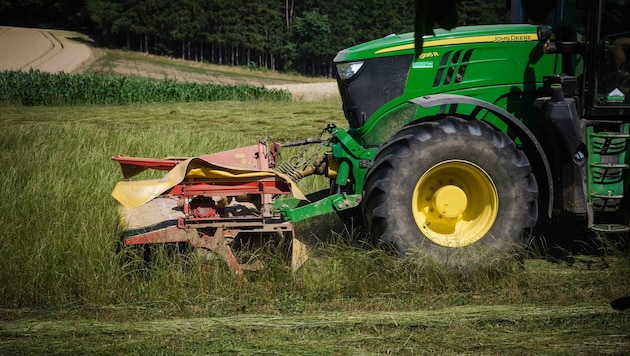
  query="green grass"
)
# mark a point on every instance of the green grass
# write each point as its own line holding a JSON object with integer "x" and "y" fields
{"x": 36, "y": 88}
{"x": 61, "y": 225}
{"x": 511, "y": 330}
{"x": 110, "y": 61}
{"x": 67, "y": 285}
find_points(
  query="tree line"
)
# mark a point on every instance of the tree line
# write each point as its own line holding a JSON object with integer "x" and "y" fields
{"x": 286, "y": 35}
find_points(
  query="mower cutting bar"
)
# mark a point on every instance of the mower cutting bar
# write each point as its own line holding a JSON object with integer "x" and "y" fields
{"x": 246, "y": 223}
{"x": 173, "y": 234}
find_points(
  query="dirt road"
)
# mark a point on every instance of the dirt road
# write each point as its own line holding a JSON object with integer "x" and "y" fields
{"x": 45, "y": 50}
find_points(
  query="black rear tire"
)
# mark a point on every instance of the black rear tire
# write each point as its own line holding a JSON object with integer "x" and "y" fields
{"x": 454, "y": 191}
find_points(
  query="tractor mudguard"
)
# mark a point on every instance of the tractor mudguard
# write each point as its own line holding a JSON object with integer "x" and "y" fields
{"x": 531, "y": 147}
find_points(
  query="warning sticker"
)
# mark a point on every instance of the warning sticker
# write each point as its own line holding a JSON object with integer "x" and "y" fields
{"x": 616, "y": 96}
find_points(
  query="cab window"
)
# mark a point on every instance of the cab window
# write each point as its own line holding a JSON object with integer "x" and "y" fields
{"x": 613, "y": 72}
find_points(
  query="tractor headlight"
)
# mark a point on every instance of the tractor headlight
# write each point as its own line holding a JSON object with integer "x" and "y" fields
{"x": 347, "y": 70}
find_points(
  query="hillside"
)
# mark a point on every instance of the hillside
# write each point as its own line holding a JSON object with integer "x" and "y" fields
{"x": 64, "y": 51}
{"x": 40, "y": 49}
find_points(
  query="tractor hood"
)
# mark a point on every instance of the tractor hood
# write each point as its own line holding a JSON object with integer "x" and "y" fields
{"x": 404, "y": 44}
{"x": 377, "y": 76}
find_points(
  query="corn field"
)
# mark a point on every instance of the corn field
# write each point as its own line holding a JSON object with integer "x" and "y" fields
{"x": 35, "y": 88}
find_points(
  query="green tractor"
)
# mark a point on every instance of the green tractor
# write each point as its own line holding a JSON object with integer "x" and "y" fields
{"x": 455, "y": 153}
{"x": 491, "y": 130}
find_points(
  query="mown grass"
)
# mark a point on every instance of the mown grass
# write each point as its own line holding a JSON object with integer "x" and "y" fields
{"x": 61, "y": 263}
{"x": 112, "y": 61}
{"x": 514, "y": 330}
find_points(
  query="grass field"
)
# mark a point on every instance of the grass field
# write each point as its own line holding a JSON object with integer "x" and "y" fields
{"x": 35, "y": 88}
{"x": 513, "y": 330}
{"x": 67, "y": 286}
{"x": 129, "y": 63}
{"x": 133, "y": 64}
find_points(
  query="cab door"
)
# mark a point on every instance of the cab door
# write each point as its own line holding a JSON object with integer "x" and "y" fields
{"x": 607, "y": 92}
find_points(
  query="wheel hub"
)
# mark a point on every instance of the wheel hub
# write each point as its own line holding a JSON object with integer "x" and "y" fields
{"x": 455, "y": 203}
{"x": 449, "y": 201}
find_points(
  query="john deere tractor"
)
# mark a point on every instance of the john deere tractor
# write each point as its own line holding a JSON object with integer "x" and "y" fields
{"x": 453, "y": 154}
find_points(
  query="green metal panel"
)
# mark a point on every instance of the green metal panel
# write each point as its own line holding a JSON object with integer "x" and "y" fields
{"x": 606, "y": 163}
{"x": 353, "y": 162}
{"x": 500, "y": 64}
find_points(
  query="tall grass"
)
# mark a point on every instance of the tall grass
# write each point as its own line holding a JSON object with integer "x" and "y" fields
{"x": 60, "y": 243}
{"x": 39, "y": 88}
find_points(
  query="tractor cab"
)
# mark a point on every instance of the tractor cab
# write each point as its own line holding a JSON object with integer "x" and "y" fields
{"x": 593, "y": 38}
{"x": 610, "y": 77}
{"x": 589, "y": 109}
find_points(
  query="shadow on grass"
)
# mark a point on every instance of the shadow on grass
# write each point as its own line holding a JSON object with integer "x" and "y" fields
{"x": 567, "y": 239}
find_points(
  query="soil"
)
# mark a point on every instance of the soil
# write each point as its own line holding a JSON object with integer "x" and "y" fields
{"x": 40, "y": 49}
{"x": 310, "y": 91}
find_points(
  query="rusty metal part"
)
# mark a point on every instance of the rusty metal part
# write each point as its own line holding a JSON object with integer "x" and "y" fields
{"x": 219, "y": 245}
{"x": 256, "y": 157}
{"x": 203, "y": 210}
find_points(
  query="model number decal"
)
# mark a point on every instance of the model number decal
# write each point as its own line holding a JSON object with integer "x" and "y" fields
{"x": 428, "y": 55}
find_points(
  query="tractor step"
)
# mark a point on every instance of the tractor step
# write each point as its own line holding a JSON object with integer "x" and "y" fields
{"x": 609, "y": 165}
{"x": 610, "y": 227}
{"x": 606, "y": 169}
{"x": 607, "y": 196}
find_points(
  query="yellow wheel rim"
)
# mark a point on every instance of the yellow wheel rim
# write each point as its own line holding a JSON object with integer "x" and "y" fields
{"x": 455, "y": 203}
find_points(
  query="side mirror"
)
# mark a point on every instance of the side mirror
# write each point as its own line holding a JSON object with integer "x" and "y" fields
{"x": 544, "y": 33}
